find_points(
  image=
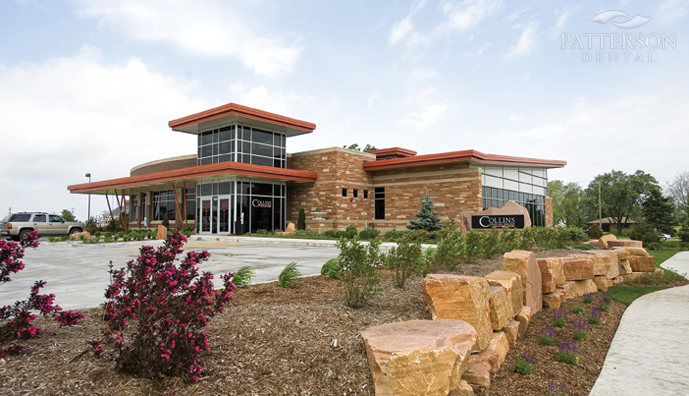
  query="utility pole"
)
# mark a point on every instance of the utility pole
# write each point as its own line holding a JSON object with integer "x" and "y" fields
{"x": 600, "y": 208}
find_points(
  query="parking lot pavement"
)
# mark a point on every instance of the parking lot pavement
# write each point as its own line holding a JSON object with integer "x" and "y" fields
{"x": 78, "y": 274}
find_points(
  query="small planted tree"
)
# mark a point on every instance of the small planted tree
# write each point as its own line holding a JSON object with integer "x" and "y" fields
{"x": 301, "y": 220}
{"x": 156, "y": 311}
{"x": 451, "y": 252}
{"x": 405, "y": 259}
{"x": 358, "y": 264}
{"x": 425, "y": 218}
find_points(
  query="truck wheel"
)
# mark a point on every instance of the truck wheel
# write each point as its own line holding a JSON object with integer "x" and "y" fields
{"x": 74, "y": 231}
{"x": 23, "y": 234}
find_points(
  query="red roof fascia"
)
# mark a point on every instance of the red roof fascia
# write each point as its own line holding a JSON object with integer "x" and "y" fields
{"x": 459, "y": 156}
{"x": 393, "y": 151}
{"x": 243, "y": 111}
{"x": 236, "y": 168}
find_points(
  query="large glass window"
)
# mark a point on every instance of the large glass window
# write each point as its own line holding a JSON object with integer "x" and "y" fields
{"x": 526, "y": 186}
{"x": 242, "y": 144}
{"x": 379, "y": 203}
{"x": 134, "y": 202}
{"x": 535, "y": 204}
{"x": 164, "y": 205}
{"x": 191, "y": 203}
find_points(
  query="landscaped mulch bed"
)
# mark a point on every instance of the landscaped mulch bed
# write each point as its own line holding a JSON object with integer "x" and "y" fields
{"x": 305, "y": 341}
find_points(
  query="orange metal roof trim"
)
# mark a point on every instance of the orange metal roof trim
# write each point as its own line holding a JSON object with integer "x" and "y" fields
{"x": 393, "y": 151}
{"x": 222, "y": 168}
{"x": 460, "y": 156}
{"x": 242, "y": 111}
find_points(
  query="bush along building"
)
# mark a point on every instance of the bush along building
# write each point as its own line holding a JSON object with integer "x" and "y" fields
{"x": 242, "y": 179}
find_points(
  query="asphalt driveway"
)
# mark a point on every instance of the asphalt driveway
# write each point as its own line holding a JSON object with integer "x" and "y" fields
{"x": 78, "y": 274}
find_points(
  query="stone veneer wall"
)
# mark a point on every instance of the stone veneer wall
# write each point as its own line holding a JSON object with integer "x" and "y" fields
{"x": 548, "y": 212}
{"x": 337, "y": 168}
{"x": 453, "y": 188}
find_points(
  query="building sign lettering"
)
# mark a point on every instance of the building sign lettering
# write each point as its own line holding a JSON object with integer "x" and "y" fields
{"x": 262, "y": 203}
{"x": 482, "y": 222}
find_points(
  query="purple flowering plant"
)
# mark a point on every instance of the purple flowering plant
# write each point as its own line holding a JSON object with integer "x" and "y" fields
{"x": 524, "y": 364}
{"x": 595, "y": 316}
{"x": 547, "y": 336}
{"x": 157, "y": 309}
{"x": 568, "y": 352}
{"x": 15, "y": 319}
{"x": 559, "y": 318}
{"x": 554, "y": 390}
{"x": 581, "y": 328}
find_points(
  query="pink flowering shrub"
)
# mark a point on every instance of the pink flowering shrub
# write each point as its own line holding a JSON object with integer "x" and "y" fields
{"x": 15, "y": 320}
{"x": 157, "y": 310}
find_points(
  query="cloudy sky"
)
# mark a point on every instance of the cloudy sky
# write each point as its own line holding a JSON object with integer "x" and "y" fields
{"x": 89, "y": 86}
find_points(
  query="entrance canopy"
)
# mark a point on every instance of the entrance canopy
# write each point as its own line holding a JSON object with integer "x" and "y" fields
{"x": 195, "y": 174}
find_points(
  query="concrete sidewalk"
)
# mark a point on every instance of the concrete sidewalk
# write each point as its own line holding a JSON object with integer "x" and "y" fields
{"x": 650, "y": 352}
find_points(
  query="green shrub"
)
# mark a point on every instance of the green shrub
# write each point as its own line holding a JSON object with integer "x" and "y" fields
{"x": 527, "y": 239}
{"x": 450, "y": 253}
{"x": 645, "y": 233}
{"x": 405, "y": 260}
{"x": 243, "y": 276}
{"x": 289, "y": 277}
{"x": 261, "y": 232}
{"x": 394, "y": 235}
{"x": 595, "y": 232}
{"x": 683, "y": 233}
{"x": 349, "y": 233}
{"x": 358, "y": 263}
{"x": 474, "y": 241}
{"x": 330, "y": 234}
{"x": 165, "y": 223}
{"x": 301, "y": 220}
{"x": 331, "y": 269}
{"x": 369, "y": 234}
{"x": 524, "y": 364}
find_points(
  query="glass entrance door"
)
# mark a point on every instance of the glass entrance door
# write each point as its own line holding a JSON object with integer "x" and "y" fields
{"x": 205, "y": 215}
{"x": 214, "y": 213}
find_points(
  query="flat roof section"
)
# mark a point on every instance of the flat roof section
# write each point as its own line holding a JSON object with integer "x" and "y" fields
{"x": 461, "y": 156}
{"x": 233, "y": 112}
{"x": 195, "y": 173}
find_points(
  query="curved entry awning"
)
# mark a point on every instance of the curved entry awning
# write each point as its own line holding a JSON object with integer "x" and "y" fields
{"x": 194, "y": 174}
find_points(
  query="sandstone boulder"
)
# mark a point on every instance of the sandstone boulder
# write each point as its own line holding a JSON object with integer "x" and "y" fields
{"x": 523, "y": 317}
{"x": 460, "y": 297}
{"x": 617, "y": 280}
{"x": 477, "y": 371}
{"x": 642, "y": 263}
{"x": 464, "y": 389}
{"x": 77, "y": 236}
{"x": 624, "y": 267}
{"x": 625, "y": 243}
{"x": 578, "y": 268}
{"x": 612, "y": 255}
{"x": 555, "y": 299}
{"x": 524, "y": 263}
{"x": 512, "y": 283}
{"x": 497, "y": 350}
{"x": 633, "y": 251}
{"x": 500, "y": 313}
{"x": 552, "y": 273}
{"x": 585, "y": 286}
{"x": 605, "y": 239}
{"x": 570, "y": 289}
{"x": 418, "y": 357}
{"x": 601, "y": 283}
{"x": 601, "y": 263}
{"x": 162, "y": 232}
{"x": 512, "y": 332}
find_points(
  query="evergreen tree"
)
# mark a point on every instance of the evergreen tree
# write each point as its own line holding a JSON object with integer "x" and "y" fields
{"x": 426, "y": 219}
{"x": 301, "y": 220}
{"x": 658, "y": 211}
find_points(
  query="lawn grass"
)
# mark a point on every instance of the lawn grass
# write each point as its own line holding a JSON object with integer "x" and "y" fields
{"x": 627, "y": 294}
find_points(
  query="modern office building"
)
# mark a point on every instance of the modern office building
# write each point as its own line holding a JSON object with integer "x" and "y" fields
{"x": 242, "y": 179}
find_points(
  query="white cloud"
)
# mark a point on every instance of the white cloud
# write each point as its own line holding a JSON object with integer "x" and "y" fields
{"x": 401, "y": 30}
{"x": 516, "y": 117}
{"x": 71, "y": 115}
{"x": 674, "y": 9}
{"x": 422, "y": 73}
{"x": 563, "y": 18}
{"x": 464, "y": 14}
{"x": 203, "y": 28}
{"x": 526, "y": 42}
{"x": 430, "y": 114}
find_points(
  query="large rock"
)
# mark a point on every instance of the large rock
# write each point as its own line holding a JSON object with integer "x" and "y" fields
{"x": 500, "y": 313}
{"x": 460, "y": 297}
{"x": 613, "y": 257}
{"x": 418, "y": 357}
{"x": 624, "y": 267}
{"x": 552, "y": 273}
{"x": 625, "y": 243}
{"x": 633, "y": 250}
{"x": 496, "y": 352}
{"x": 642, "y": 263}
{"x": 578, "y": 268}
{"x": 162, "y": 232}
{"x": 512, "y": 283}
{"x": 77, "y": 236}
{"x": 524, "y": 317}
{"x": 605, "y": 239}
{"x": 512, "y": 332}
{"x": 601, "y": 262}
{"x": 585, "y": 286}
{"x": 464, "y": 389}
{"x": 524, "y": 263}
{"x": 555, "y": 299}
{"x": 570, "y": 289}
{"x": 477, "y": 371}
{"x": 601, "y": 283}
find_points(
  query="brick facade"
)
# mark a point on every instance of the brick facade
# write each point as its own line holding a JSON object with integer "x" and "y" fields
{"x": 548, "y": 212}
